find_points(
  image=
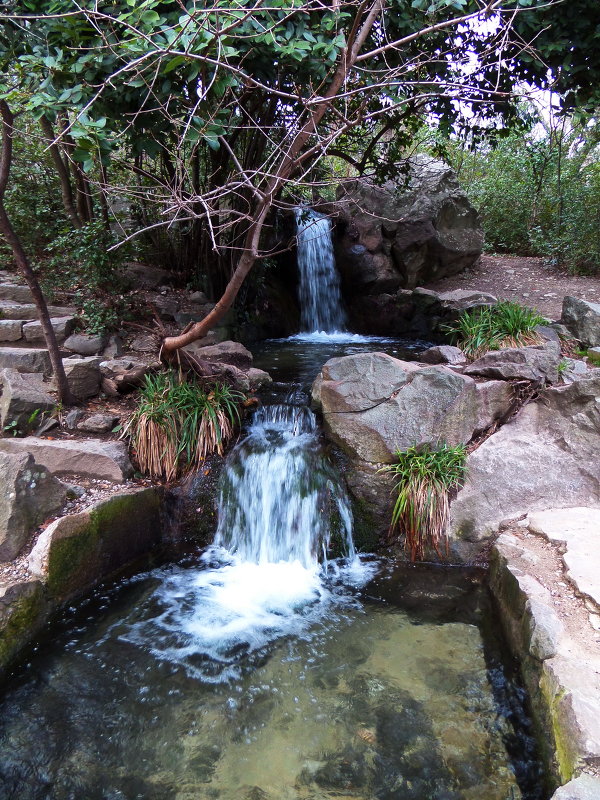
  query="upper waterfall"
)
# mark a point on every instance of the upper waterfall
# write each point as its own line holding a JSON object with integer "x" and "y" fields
{"x": 320, "y": 297}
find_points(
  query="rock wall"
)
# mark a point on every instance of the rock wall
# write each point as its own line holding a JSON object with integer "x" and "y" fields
{"x": 394, "y": 237}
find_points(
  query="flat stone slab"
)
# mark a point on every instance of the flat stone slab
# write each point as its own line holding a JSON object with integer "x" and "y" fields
{"x": 31, "y": 359}
{"x": 16, "y": 292}
{"x": 11, "y": 330}
{"x": 33, "y": 332}
{"x": 28, "y": 311}
{"x": 90, "y": 458}
{"x": 578, "y": 529}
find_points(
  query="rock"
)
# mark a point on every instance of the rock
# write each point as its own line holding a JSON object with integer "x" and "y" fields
{"x": 225, "y": 353}
{"x": 166, "y": 306}
{"x": 23, "y": 395}
{"x": 89, "y": 458}
{"x": 15, "y": 292}
{"x": 573, "y": 369}
{"x": 62, "y": 326}
{"x": 144, "y": 344}
{"x": 537, "y": 363}
{"x": 83, "y": 376}
{"x": 11, "y": 330}
{"x": 98, "y": 423}
{"x": 114, "y": 348}
{"x": 388, "y": 237}
{"x": 28, "y": 495}
{"x": 547, "y": 457}
{"x": 184, "y": 318}
{"x": 78, "y": 551}
{"x": 494, "y": 401}
{"x": 85, "y": 344}
{"x": 374, "y": 405}
{"x": 25, "y": 360}
{"x": 227, "y": 373}
{"x": 585, "y": 787}
{"x": 443, "y": 354}
{"x": 29, "y": 312}
{"x": 582, "y": 318}
{"x": 548, "y": 332}
{"x": 144, "y": 276}
{"x": 258, "y": 378}
{"x": 23, "y": 611}
{"x": 73, "y": 418}
{"x": 463, "y": 299}
{"x": 578, "y": 530}
{"x": 199, "y": 298}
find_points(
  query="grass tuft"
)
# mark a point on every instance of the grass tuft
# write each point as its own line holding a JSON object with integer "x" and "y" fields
{"x": 421, "y": 511}
{"x": 506, "y": 324}
{"x": 177, "y": 424}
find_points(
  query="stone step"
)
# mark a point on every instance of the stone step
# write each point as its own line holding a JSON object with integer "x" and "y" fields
{"x": 15, "y": 292}
{"x": 90, "y": 458}
{"x": 28, "y": 311}
{"x": 11, "y": 330}
{"x": 63, "y": 326}
{"x": 24, "y": 400}
{"x": 25, "y": 359}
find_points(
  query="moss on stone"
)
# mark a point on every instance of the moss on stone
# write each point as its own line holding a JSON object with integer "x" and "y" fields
{"x": 20, "y": 622}
{"x": 117, "y": 532}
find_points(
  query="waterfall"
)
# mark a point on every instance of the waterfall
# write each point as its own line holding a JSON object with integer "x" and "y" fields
{"x": 320, "y": 298}
{"x": 280, "y": 499}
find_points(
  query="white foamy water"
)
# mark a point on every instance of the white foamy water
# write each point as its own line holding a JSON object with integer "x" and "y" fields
{"x": 268, "y": 574}
{"x": 321, "y": 307}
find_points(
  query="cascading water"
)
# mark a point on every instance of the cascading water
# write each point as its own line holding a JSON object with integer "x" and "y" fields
{"x": 321, "y": 309}
{"x": 280, "y": 498}
{"x": 267, "y": 574}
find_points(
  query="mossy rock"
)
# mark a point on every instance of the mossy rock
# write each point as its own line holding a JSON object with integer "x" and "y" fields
{"x": 23, "y": 610}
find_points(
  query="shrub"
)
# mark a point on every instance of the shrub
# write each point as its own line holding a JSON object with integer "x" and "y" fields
{"x": 425, "y": 479}
{"x": 178, "y": 423}
{"x": 506, "y": 324}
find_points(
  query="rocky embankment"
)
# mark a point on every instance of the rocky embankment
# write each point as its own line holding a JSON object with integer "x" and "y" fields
{"x": 73, "y": 512}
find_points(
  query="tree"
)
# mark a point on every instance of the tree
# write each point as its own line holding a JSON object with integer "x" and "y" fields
{"x": 64, "y": 393}
{"x": 224, "y": 111}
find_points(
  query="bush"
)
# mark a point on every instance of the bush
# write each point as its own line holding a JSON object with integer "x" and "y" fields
{"x": 81, "y": 263}
{"x": 178, "y": 423}
{"x": 421, "y": 511}
{"x": 506, "y": 324}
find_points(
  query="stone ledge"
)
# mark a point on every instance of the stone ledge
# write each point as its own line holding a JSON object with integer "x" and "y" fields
{"x": 561, "y": 674}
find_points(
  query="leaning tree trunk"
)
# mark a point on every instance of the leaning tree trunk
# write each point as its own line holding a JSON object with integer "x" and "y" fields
{"x": 6, "y": 228}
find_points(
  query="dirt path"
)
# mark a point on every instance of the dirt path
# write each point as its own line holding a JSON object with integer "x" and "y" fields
{"x": 525, "y": 280}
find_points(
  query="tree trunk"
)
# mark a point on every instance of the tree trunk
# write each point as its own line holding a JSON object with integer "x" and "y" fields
{"x": 63, "y": 173}
{"x": 64, "y": 393}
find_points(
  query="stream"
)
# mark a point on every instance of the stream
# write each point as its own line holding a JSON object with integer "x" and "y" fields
{"x": 264, "y": 669}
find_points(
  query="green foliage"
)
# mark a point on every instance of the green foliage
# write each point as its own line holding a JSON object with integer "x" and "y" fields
{"x": 81, "y": 263}
{"x": 178, "y": 423}
{"x": 538, "y": 193}
{"x": 425, "y": 477}
{"x": 506, "y": 324}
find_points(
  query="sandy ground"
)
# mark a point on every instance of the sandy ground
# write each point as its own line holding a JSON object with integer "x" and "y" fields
{"x": 528, "y": 281}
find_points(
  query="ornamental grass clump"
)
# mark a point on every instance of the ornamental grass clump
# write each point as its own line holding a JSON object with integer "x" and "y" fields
{"x": 425, "y": 478}
{"x": 178, "y": 423}
{"x": 506, "y": 324}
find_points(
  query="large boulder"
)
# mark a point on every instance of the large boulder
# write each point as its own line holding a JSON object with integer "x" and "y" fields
{"x": 397, "y": 235}
{"x": 374, "y": 405}
{"x": 89, "y": 458}
{"x": 227, "y": 352}
{"x": 582, "y": 319}
{"x": 28, "y": 495}
{"x": 537, "y": 363}
{"x": 23, "y": 399}
{"x": 547, "y": 457}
